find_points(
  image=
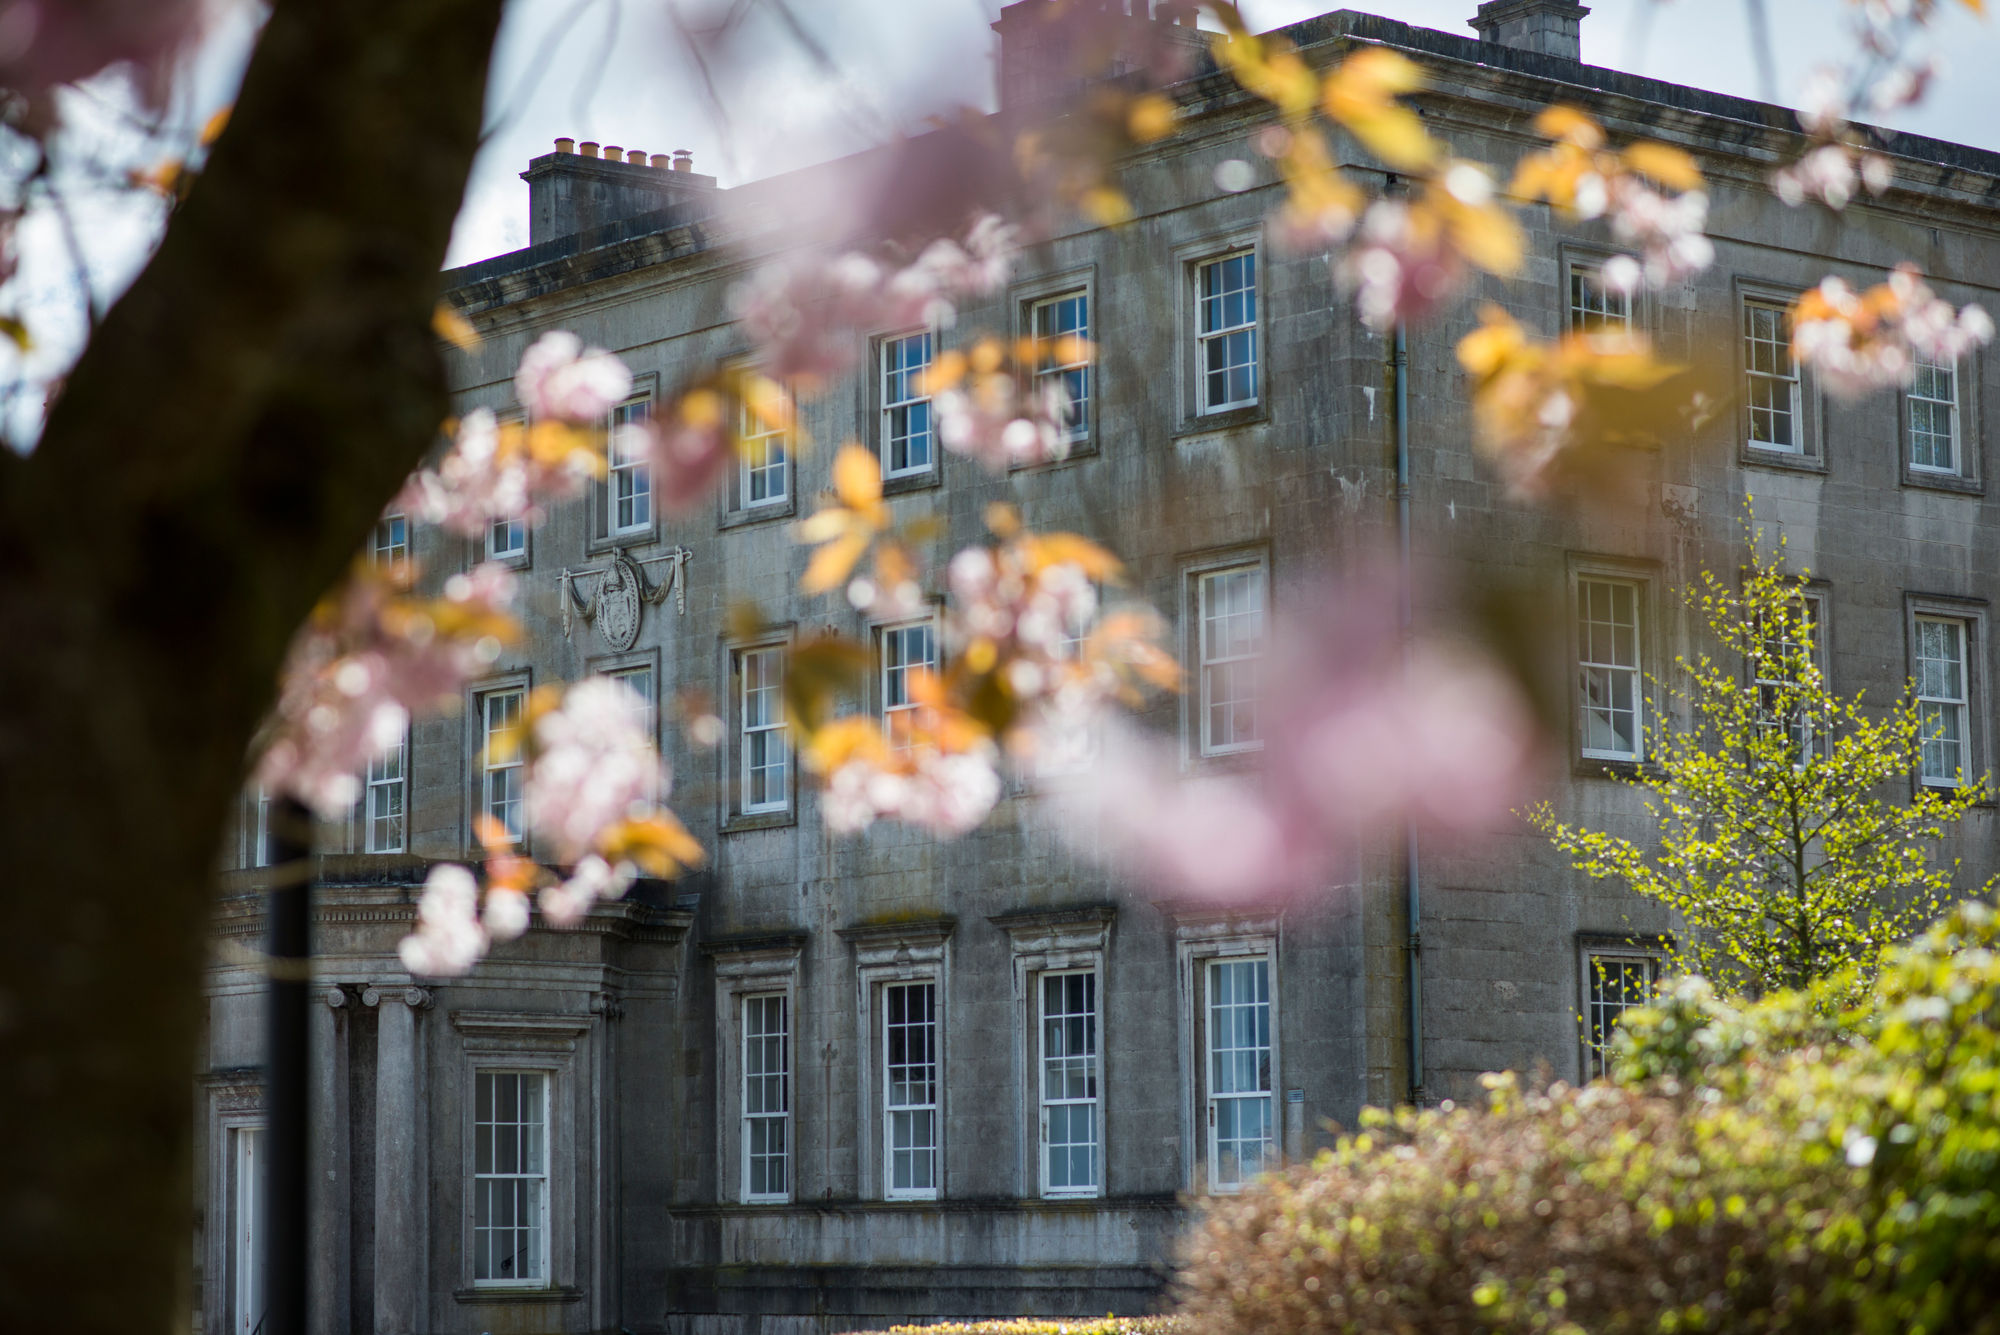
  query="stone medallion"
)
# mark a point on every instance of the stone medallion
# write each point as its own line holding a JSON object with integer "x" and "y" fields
{"x": 618, "y": 603}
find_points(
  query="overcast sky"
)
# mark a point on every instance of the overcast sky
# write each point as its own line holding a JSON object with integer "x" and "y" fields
{"x": 613, "y": 71}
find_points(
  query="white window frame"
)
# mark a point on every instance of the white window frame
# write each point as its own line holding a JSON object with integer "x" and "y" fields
{"x": 1212, "y": 970}
{"x": 781, "y": 1118}
{"x": 1749, "y": 341}
{"x": 765, "y": 455}
{"x": 1225, "y": 329}
{"x": 902, "y": 391}
{"x": 1207, "y": 663}
{"x": 512, "y": 766}
{"x": 621, "y": 470}
{"x": 893, "y": 671}
{"x": 1063, "y": 941}
{"x": 642, "y": 679}
{"x": 1202, "y": 939}
{"x": 389, "y": 543}
{"x": 387, "y": 783}
{"x": 507, "y": 540}
{"x": 539, "y": 1228}
{"x": 771, "y": 728}
{"x": 887, "y": 955}
{"x": 765, "y": 965}
{"x": 1598, "y": 1013}
{"x": 1810, "y": 736}
{"x": 258, "y": 828}
{"x": 1093, "y": 1102}
{"x": 931, "y": 1107}
{"x": 1614, "y": 313}
{"x": 1954, "y": 436}
{"x": 1585, "y": 664}
{"x": 248, "y": 1151}
{"x": 1072, "y": 373}
{"x": 1958, "y": 704}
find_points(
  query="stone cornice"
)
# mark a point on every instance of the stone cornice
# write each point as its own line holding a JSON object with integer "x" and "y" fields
{"x": 791, "y": 941}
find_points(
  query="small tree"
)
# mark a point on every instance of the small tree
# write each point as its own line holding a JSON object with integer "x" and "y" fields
{"x": 1778, "y": 842}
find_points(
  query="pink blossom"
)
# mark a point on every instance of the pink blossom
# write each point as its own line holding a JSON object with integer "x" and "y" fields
{"x": 1396, "y": 273}
{"x": 472, "y": 487}
{"x": 449, "y": 938}
{"x": 809, "y": 316}
{"x": 1860, "y": 342}
{"x": 592, "y": 879}
{"x": 947, "y": 794}
{"x": 993, "y": 421}
{"x": 1831, "y": 173}
{"x": 1667, "y": 231}
{"x": 593, "y": 768}
{"x": 690, "y": 458}
{"x": 1359, "y": 739}
{"x": 560, "y": 378}
{"x": 362, "y": 666}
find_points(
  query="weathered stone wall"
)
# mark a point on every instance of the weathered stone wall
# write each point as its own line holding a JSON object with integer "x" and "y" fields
{"x": 1306, "y": 479}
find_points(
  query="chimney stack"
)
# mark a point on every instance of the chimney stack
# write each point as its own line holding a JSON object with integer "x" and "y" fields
{"x": 1545, "y": 27}
{"x": 575, "y": 190}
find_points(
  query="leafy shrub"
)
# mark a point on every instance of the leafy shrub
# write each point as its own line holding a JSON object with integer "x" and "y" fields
{"x": 1768, "y": 1167}
{"x": 1105, "y": 1325}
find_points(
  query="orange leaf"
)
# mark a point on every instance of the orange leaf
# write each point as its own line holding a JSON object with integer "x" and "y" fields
{"x": 1668, "y": 165}
{"x": 857, "y": 478}
{"x": 454, "y": 328}
{"x": 832, "y": 564}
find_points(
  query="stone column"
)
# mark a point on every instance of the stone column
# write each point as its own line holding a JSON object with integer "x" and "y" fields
{"x": 328, "y": 1233}
{"x": 401, "y": 1248}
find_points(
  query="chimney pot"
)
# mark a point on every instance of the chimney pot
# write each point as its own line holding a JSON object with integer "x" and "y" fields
{"x": 661, "y": 162}
{"x": 1545, "y": 27}
{"x": 613, "y": 153}
{"x": 588, "y": 148}
{"x": 683, "y": 160}
{"x": 637, "y": 157}
{"x": 565, "y": 145}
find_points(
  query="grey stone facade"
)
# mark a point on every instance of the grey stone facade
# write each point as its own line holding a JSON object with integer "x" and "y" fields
{"x": 632, "y": 1024}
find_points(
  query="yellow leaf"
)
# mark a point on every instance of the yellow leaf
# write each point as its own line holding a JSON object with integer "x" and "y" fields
{"x": 1668, "y": 165}
{"x": 826, "y": 525}
{"x": 1106, "y": 206}
{"x": 857, "y": 478}
{"x": 701, "y": 408}
{"x": 1002, "y": 519}
{"x": 454, "y": 328}
{"x": 1487, "y": 348}
{"x": 1150, "y": 117}
{"x": 831, "y": 564}
{"x": 16, "y": 332}
{"x": 212, "y": 129}
{"x": 1566, "y": 122}
{"x": 1490, "y": 239}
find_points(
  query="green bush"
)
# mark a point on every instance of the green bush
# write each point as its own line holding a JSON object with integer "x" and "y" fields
{"x": 1781, "y": 1166}
{"x": 1101, "y": 1325}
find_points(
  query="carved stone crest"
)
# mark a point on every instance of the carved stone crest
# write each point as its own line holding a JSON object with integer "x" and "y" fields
{"x": 618, "y": 604}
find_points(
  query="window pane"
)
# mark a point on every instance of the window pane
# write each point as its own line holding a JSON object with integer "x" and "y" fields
{"x": 510, "y": 1168}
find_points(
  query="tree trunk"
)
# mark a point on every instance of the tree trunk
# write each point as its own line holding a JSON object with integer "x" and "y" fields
{"x": 217, "y": 458}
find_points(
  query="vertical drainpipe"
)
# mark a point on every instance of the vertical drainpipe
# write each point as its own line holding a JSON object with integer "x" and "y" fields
{"x": 1412, "y": 885}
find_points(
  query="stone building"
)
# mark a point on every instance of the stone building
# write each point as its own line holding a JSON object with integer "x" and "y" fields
{"x": 831, "y": 1081}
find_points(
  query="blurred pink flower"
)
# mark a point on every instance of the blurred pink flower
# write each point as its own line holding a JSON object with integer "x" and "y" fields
{"x": 1396, "y": 271}
{"x": 690, "y": 457}
{"x": 449, "y": 938}
{"x": 592, "y": 879}
{"x": 1864, "y": 341}
{"x": 945, "y": 794}
{"x": 593, "y": 767}
{"x": 992, "y": 420}
{"x": 1666, "y": 230}
{"x": 363, "y": 665}
{"x": 1357, "y": 740}
{"x": 1831, "y": 173}
{"x": 810, "y": 316}
{"x": 560, "y": 378}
